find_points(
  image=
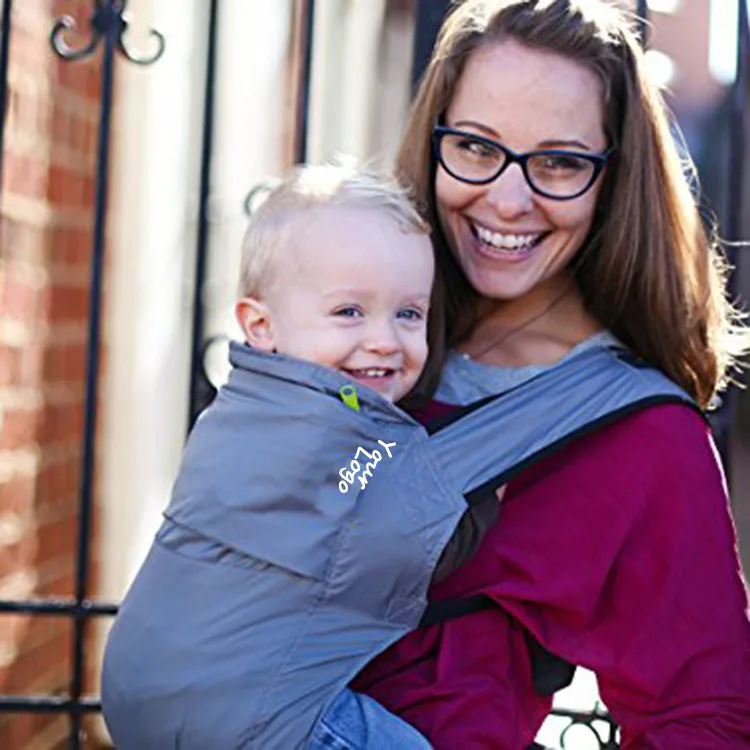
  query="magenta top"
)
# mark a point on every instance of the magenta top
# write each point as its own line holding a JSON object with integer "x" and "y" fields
{"x": 618, "y": 554}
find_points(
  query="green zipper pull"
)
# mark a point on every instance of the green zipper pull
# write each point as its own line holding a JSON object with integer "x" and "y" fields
{"x": 348, "y": 395}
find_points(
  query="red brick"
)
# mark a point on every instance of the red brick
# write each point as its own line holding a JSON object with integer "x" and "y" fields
{"x": 65, "y": 186}
{"x": 68, "y": 302}
{"x": 61, "y": 124}
{"x": 54, "y": 482}
{"x": 58, "y": 578}
{"x": 74, "y": 365}
{"x": 57, "y": 540}
{"x": 26, "y": 243}
{"x": 24, "y": 175}
{"x": 76, "y": 138}
{"x": 94, "y": 83}
{"x": 15, "y": 558}
{"x": 17, "y": 494}
{"x": 18, "y": 729}
{"x": 10, "y": 363}
{"x": 61, "y": 422}
{"x": 65, "y": 362}
{"x": 31, "y": 364}
{"x": 70, "y": 245}
{"x": 44, "y": 662}
{"x": 61, "y": 249}
{"x": 19, "y": 428}
{"x": 19, "y": 298}
{"x": 89, "y": 190}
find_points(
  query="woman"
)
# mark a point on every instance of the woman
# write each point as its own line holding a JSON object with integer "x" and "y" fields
{"x": 562, "y": 221}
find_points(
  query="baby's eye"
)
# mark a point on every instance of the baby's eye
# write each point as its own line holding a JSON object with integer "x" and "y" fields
{"x": 411, "y": 313}
{"x": 350, "y": 311}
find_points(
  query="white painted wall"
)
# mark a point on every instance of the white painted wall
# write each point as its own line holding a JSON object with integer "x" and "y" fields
{"x": 361, "y": 81}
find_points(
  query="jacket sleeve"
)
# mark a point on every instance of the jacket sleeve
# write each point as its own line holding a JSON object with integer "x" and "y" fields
{"x": 468, "y": 536}
{"x": 629, "y": 567}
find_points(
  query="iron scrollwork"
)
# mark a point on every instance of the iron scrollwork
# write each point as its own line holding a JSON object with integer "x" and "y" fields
{"x": 109, "y": 18}
{"x": 586, "y": 720}
{"x": 256, "y": 196}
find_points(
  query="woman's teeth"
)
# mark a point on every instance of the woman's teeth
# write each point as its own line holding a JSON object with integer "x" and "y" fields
{"x": 513, "y": 242}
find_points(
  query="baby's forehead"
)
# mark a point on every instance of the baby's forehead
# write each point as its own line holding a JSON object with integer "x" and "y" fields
{"x": 340, "y": 242}
{"x": 321, "y": 231}
{"x": 337, "y": 216}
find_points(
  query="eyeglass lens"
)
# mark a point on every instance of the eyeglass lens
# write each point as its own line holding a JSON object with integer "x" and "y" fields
{"x": 476, "y": 160}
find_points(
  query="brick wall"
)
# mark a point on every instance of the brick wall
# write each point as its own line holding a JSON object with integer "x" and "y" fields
{"x": 45, "y": 244}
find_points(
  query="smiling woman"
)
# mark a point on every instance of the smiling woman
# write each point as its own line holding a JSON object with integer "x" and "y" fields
{"x": 513, "y": 244}
{"x": 563, "y": 222}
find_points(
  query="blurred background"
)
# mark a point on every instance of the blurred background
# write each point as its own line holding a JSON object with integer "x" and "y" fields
{"x": 242, "y": 90}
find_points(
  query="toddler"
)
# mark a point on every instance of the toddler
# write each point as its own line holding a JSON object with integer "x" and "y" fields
{"x": 291, "y": 553}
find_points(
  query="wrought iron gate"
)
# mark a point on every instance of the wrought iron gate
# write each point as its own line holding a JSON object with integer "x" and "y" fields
{"x": 108, "y": 27}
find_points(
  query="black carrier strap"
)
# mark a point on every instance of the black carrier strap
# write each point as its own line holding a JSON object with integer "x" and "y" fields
{"x": 551, "y": 673}
{"x": 438, "y": 612}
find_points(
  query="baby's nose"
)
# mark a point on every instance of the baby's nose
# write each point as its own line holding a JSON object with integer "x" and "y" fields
{"x": 384, "y": 338}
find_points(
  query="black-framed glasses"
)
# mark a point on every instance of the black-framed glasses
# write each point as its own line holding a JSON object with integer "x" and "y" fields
{"x": 557, "y": 174}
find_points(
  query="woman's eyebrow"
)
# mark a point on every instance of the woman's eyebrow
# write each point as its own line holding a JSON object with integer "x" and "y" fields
{"x": 549, "y": 143}
{"x": 478, "y": 126}
{"x": 564, "y": 143}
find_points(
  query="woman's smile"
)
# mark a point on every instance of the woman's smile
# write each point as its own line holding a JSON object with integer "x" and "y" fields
{"x": 510, "y": 240}
{"x": 513, "y": 246}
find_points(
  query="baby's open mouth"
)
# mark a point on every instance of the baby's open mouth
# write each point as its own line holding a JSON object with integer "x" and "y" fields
{"x": 370, "y": 372}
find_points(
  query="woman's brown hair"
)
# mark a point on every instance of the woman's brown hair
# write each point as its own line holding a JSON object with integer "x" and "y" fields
{"x": 648, "y": 270}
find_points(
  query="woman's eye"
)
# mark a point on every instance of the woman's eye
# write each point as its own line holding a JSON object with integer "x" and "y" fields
{"x": 411, "y": 313}
{"x": 476, "y": 148}
{"x": 561, "y": 163}
{"x": 347, "y": 312}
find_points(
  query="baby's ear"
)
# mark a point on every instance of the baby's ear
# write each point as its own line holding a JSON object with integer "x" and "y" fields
{"x": 254, "y": 318}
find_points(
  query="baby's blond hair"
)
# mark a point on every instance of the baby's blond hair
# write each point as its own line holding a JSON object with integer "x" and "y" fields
{"x": 275, "y": 221}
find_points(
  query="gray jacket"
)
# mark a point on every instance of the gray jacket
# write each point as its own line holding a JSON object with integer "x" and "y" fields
{"x": 301, "y": 538}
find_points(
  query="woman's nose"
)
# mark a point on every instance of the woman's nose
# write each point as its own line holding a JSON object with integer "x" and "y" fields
{"x": 510, "y": 194}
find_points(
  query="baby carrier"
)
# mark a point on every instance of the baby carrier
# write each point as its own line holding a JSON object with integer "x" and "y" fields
{"x": 302, "y": 533}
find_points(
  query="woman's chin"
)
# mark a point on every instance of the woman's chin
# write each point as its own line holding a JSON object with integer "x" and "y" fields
{"x": 500, "y": 285}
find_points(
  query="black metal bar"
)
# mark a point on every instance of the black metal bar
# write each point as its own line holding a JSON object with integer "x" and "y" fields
{"x": 85, "y": 608}
{"x": 642, "y": 14}
{"x": 4, "y": 59}
{"x": 48, "y": 704}
{"x": 429, "y": 17}
{"x": 595, "y": 714}
{"x": 92, "y": 375}
{"x": 201, "y": 390}
{"x": 305, "y": 74}
{"x": 734, "y": 220}
{"x": 737, "y": 147}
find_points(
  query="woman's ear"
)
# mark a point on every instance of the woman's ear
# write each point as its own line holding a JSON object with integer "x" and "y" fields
{"x": 254, "y": 318}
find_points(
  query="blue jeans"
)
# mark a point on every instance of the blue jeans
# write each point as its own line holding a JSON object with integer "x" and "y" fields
{"x": 356, "y": 722}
